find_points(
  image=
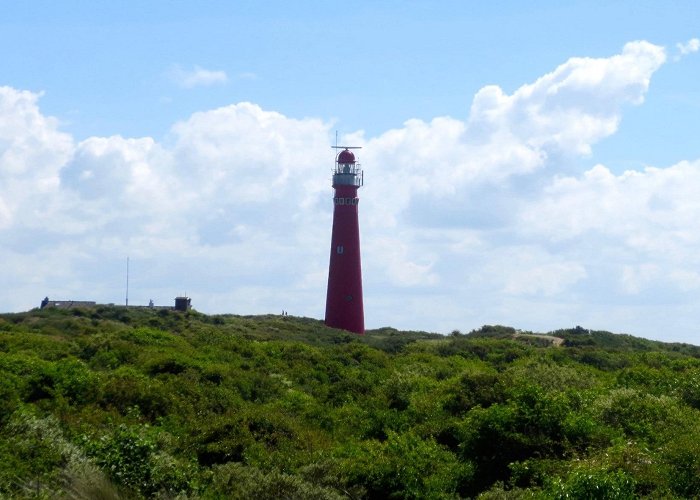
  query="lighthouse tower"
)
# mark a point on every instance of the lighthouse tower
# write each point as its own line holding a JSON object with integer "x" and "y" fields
{"x": 344, "y": 308}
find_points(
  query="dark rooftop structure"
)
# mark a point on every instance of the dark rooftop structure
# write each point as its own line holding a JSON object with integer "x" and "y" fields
{"x": 181, "y": 304}
{"x": 66, "y": 304}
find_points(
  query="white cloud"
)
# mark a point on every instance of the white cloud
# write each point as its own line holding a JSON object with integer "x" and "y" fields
{"x": 32, "y": 150}
{"x": 635, "y": 278}
{"x": 566, "y": 110}
{"x": 529, "y": 271}
{"x": 644, "y": 226}
{"x": 464, "y": 221}
{"x": 689, "y": 47}
{"x": 654, "y": 210}
{"x": 402, "y": 269}
{"x": 230, "y": 192}
{"x": 197, "y": 77}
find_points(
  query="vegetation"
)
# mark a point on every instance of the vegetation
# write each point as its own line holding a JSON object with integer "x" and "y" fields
{"x": 112, "y": 402}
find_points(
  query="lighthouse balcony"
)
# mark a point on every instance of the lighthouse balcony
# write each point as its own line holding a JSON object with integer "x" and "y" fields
{"x": 348, "y": 175}
{"x": 347, "y": 180}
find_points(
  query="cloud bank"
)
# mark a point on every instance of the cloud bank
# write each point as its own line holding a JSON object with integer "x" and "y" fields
{"x": 465, "y": 221}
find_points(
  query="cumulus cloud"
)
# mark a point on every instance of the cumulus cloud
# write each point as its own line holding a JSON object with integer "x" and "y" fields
{"x": 402, "y": 269}
{"x": 566, "y": 110}
{"x": 530, "y": 271}
{"x": 197, "y": 77}
{"x": 32, "y": 150}
{"x": 648, "y": 221}
{"x": 464, "y": 220}
{"x": 508, "y": 136}
{"x": 648, "y": 209}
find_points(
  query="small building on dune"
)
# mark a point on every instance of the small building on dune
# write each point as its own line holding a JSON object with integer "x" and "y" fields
{"x": 181, "y": 304}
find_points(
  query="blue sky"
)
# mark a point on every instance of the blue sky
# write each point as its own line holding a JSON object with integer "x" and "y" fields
{"x": 530, "y": 164}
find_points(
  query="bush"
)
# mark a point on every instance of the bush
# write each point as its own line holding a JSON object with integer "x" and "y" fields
{"x": 239, "y": 482}
{"x": 126, "y": 456}
{"x": 34, "y": 451}
{"x": 594, "y": 484}
{"x": 75, "y": 382}
{"x": 405, "y": 466}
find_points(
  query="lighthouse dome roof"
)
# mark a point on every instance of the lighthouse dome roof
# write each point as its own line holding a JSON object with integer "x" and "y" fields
{"x": 346, "y": 156}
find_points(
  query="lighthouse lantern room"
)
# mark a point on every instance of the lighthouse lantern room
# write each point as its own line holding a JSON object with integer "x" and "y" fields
{"x": 344, "y": 305}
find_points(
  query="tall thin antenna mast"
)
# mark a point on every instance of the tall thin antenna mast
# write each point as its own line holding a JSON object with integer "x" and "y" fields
{"x": 127, "y": 281}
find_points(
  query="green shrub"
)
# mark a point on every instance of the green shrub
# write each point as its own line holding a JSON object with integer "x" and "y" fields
{"x": 34, "y": 451}
{"x": 131, "y": 458}
{"x": 405, "y": 466}
{"x": 682, "y": 454}
{"x": 75, "y": 382}
{"x": 237, "y": 481}
{"x": 594, "y": 484}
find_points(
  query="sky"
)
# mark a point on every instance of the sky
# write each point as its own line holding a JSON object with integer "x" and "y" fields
{"x": 531, "y": 164}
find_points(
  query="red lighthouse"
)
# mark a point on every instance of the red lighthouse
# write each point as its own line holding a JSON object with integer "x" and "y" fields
{"x": 344, "y": 308}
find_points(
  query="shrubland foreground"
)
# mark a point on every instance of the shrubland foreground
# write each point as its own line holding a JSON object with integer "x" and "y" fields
{"x": 122, "y": 403}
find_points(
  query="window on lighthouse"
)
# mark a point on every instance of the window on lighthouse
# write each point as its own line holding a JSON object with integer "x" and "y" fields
{"x": 340, "y": 249}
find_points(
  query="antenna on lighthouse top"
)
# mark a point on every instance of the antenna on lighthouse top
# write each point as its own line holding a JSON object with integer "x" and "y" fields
{"x": 343, "y": 147}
